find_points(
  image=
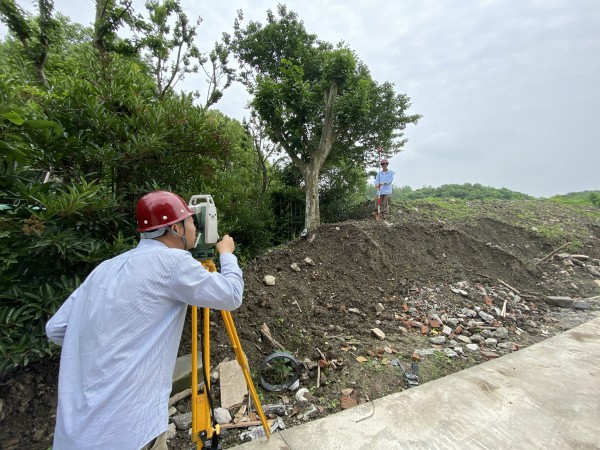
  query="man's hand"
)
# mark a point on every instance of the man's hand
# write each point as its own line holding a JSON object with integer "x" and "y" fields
{"x": 225, "y": 245}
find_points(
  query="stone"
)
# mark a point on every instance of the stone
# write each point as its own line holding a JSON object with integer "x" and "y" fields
{"x": 464, "y": 339}
{"x": 222, "y": 415}
{"x": 582, "y": 305}
{"x": 171, "y": 431}
{"x": 501, "y": 333}
{"x": 295, "y": 267}
{"x": 561, "y": 302}
{"x": 378, "y": 333}
{"x": 472, "y": 347}
{"x": 182, "y": 421}
{"x": 347, "y": 402}
{"x": 489, "y": 355}
{"x": 485, "y": 316}
{"x": 309, "y": 261}
{"x": 438, "y": 340}
{"x": 491, "y": 342}
{"x": 476, "y": 338}
{"x": 379, "y": 308}
{"x": 269, "y": 280}
{"x": 435, "y": 323}
{"x": 450, "y": 353}
{"x": 468, "y": 312}
{"x": 447, "y": 330}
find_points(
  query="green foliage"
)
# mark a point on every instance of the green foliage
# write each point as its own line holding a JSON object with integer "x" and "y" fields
{"x": 589, "y": 198}
{"x": 466, "y": 191}
{"x": 51, "y": 236}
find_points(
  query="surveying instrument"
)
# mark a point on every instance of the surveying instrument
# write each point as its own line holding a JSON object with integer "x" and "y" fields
{"x": 205, "y": 433}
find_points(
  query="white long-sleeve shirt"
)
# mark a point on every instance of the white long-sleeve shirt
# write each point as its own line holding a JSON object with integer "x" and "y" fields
{"x": 120, "y": 332}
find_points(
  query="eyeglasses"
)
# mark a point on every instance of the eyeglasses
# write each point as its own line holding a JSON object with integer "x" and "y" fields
{"x": 384, "y": 164}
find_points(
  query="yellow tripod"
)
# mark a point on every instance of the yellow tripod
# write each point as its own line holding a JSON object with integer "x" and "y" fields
{"x": 201, "y": 412}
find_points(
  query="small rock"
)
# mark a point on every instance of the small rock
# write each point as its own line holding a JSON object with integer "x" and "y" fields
{"x": 531, "y": 323}
{"x": 438, "y": 340}
{"x": 309, "y": 261}
{"x": 447, "y": 330}
{"x": 489, "y": 355}
{"x": 468, "y": 312}
{"x": 491, "y": 342}
{"x": 450, "y": 353}
{"x": 561, "y": 302}
{"x": 354, "y": 311}
{"x": 476, "y": 338}
{"x": 485, "y": 316}
{"x": 182, "y": 421}
{"x": 582, "y": 305}
{"x": 222, "y": 415}
{"x": 464, "y": 339}
{"x": 347, "y": 402}
{"x": 472, "y": 347}
{"x": 501, "y": 333}
{"x": 378, "y": 333}
{"x": 295, "y": 267}
{"x": 269, "y": 280}
{"x": 171, "y": 431}
{"x": 379, "y": 308}
{"x": 423, "y": 352}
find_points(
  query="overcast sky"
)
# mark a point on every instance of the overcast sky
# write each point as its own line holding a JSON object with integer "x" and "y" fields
{"x": 509, "y": 90}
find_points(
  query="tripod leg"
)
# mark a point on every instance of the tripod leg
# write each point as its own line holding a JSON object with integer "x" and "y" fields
{"x": 243, "y": 362}
{"x": 200, "y": 404}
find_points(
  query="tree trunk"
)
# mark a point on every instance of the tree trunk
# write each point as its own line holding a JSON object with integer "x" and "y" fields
{"x": 313, "y": 215}
{"x": 100, "y": 26}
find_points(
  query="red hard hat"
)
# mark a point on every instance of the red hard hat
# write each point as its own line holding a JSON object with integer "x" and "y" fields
{"x": 160, "y": 209}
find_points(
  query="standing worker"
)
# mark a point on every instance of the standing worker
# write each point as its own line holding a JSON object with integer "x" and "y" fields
{"x": 120, "y": 331}
{"x": 383, "y": 181}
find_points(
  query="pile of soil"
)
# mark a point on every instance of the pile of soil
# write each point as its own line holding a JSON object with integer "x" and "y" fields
{"x": 413, "y": 278}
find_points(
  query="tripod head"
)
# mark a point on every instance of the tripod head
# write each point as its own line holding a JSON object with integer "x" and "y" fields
{"x": 205, "y": 217}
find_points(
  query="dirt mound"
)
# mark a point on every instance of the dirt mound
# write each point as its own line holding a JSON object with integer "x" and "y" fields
{"x": 428, "y": 285}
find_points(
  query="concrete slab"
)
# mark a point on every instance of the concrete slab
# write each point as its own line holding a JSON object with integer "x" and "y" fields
{"x": 232, "y": 383}
{"x": 546, "y": 396}
{"x": 182, "y": 375}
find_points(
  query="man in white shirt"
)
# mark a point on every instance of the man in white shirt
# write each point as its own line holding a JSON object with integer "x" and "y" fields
{"x": 120, "y": 331}
{"x": 383, "y": 182}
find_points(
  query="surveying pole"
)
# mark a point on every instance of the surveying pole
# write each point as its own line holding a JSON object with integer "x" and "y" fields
{"x": 204, "y": 432}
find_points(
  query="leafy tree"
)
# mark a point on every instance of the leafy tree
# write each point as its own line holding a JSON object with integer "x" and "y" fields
{"x": 316, "y": 100}
{"x": 34, "y": 35}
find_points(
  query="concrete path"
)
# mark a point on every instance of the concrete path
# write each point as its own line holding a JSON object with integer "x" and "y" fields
{"x": 546, "y": 396}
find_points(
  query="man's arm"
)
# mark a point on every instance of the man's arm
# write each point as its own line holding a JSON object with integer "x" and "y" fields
{"x": 57, "y": 325}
